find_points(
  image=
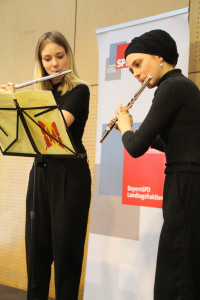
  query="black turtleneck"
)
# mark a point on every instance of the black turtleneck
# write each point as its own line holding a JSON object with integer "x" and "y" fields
{"x": 174, "y": 117}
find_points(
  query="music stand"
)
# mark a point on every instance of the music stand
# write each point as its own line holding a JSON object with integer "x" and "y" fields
{"x": 32, "y": 125}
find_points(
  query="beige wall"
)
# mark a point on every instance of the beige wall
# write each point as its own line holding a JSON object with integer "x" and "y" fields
{"x": 21, "y": 23}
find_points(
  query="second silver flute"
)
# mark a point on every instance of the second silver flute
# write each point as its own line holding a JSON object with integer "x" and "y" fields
{"x": 128, "y": 106}
{"x": 21, "y": 85}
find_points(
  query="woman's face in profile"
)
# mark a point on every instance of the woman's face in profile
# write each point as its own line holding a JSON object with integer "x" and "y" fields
{"x": 142, "y": 65}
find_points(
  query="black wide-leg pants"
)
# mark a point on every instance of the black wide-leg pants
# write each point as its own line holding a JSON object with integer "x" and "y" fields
{"x": 62, "y": 198}
{"x": 178, "y": 261}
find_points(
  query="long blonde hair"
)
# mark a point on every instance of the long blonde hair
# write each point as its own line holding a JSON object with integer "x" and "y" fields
{"x": 71, "y": 79}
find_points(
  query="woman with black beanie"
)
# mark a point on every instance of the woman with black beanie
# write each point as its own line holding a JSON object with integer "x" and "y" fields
{"x": 172, "y": 125}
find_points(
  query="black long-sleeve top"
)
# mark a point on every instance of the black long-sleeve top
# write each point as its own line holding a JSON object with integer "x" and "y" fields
{"x": 76, "y": 102}
{"x": 172, "y": 124}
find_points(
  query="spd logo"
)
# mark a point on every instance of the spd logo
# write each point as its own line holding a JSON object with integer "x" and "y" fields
{"x": 51, "y": 128}
{"x": 120, "y": 60}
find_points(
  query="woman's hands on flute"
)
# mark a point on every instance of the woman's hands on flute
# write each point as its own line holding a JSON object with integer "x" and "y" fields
{"x": 125, "y": 120}
{"x": 8, "y": 88}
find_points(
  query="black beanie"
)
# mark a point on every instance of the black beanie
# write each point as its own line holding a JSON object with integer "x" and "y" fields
{"x": 155, "y": 42}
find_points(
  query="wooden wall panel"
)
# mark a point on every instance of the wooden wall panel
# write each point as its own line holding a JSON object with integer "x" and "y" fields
{"x": 22, "y": 22}
{"x": 195, "y": 77}
{"x": 95, "y": 14}
{"x": 194, "y": 21}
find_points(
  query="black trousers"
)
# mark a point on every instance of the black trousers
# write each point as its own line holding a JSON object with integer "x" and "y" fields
{"x": 62, "y": 199}
{"x": 178, "y": 261}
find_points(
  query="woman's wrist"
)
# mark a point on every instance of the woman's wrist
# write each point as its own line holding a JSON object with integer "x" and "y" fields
{"x": 123, "y": 129}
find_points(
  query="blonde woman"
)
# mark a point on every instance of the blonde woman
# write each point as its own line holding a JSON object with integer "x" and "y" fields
{"x": 63, "y": 185}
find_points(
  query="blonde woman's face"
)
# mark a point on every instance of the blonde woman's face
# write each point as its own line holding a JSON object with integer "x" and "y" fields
{"x": 142, "y": 65}
{"x": 54, "y": 60}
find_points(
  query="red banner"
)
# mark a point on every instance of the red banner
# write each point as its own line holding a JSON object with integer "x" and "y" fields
{"x": 143, "y": 179}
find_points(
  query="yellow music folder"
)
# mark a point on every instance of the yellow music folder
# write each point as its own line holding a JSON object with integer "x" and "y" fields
{"x": 31, "y": 123}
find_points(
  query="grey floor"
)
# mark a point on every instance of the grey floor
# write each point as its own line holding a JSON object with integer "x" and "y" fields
{"x": 8, "y": 293}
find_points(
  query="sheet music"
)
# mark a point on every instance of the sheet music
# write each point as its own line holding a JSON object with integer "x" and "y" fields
{"x": 32, "y": 104}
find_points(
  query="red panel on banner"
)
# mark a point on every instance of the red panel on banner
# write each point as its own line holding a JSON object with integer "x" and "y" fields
{"x": 143, "y": 179}
{"x": 120, "y": 60}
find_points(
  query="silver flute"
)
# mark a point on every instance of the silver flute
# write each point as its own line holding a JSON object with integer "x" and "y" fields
{"x": 21, "y": 85}
{"x": 110, "y": 127}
